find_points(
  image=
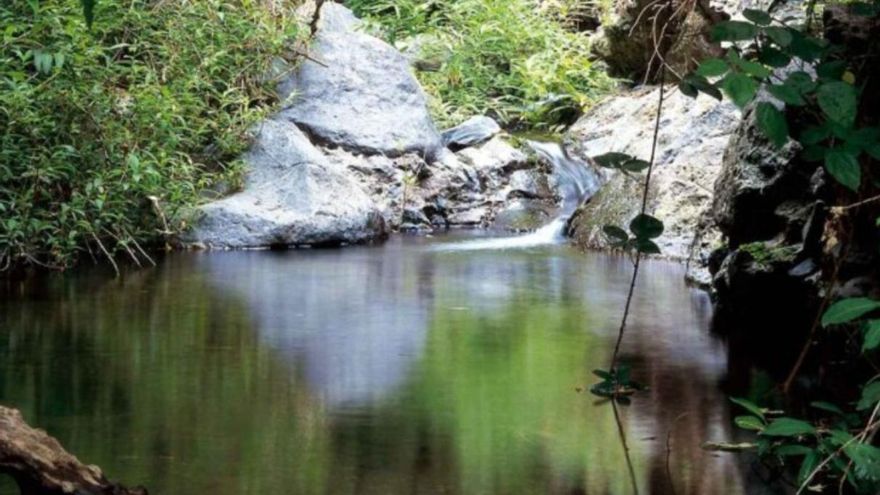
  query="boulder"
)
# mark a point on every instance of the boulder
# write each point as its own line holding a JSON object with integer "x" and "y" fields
{"x": 294, "y": 196}
{"x": 358, "y": 93}
{"x": 473, "y": 131}
{"x": 692, "y": 139}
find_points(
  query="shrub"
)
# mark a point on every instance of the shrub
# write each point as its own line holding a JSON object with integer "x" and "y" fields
{"x": 504, "y": 58}
{"x": 108, "y": 134}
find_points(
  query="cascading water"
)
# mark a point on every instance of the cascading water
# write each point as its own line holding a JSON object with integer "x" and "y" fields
{"x": 576, "y": 182}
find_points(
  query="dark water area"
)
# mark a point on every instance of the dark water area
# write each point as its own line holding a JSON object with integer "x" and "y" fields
{"x": 401, "y": 369}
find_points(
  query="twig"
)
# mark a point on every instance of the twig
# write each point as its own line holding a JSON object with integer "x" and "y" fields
{"x": 632, "y": 284}
{"x": 106, "y": 253}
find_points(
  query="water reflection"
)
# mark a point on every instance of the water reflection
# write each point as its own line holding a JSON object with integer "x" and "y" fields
{"x": 399, "y": 369}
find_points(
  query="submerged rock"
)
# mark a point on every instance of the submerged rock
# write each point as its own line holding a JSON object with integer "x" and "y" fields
{"x": 692, "y": 139}
{"x": 360, "y": 94}
{"x": 473, "y": 131}
{"x": 294, "y": 196}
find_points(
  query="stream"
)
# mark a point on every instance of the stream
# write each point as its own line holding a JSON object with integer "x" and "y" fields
{"x": 412, "y": 367}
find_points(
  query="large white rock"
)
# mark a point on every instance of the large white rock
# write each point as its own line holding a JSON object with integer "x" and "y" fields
{"x": 362, "y": 96}
{"x": 293, "y": 196}
{"x": 692, "y": 139}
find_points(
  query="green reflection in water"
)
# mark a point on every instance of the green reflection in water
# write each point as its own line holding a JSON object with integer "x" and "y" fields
{"x": 164, "y": 380}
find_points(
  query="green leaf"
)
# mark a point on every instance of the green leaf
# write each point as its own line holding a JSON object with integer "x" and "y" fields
{"x": 800, "y": 81}
{"x": 844, "y": 167}
{"x": 688, "y": 89}
{"x": 773, "y": 57}
{"x": 748, "y": 406}
{"x": 749, "y": 423}
{"x": 772, "y": 123}
{"x": 811, "y": 462}
{"x": 815, "y": 135}
{"x": 786, "y": 94}
{"x": 615, "y": 233}
{"x": 832, "y": 70}
{"x": 88, "y": 7}
{"x": 838, "y": 101}
{"x": 780, "y": 35}
{"x": 759, "y": 17}
{"x": 847, "y": 310}
{"x": 793, "y": 450}
{"x": 872, "y": 336}
{"x": 712, "y": 67}
{"x": 749, "y": 67}
{"x": 612, "y": 159}
{"x": 703, "y": 84}
{"x": 866, "y": 459}
{"x": 805, "y": 47}
{"x": 733, "y": 31}
{"x": 870, "y": 396}
{"x": 646, "y": 246}
{"x": 740, "y": 88}
{"x": 646, "y": 227}
{"x": 788, "y": 427}
{"x": 827, "y": 406}
{"x": 604, "y": 375}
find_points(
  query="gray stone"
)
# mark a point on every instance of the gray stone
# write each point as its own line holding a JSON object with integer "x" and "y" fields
{"x": 293, "y": 196}
{"x": 693, "y": 136}
{"x": 492, "y": 157}
{"x": 471, "y": 132}
{"x": 522, "y": 215}
{"x": 361, "y": 96}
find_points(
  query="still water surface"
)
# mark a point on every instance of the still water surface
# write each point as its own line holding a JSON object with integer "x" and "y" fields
{"x": 402, "y": 369}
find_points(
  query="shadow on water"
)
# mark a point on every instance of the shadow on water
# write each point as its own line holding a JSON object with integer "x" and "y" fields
{"x": 399, "y": 369}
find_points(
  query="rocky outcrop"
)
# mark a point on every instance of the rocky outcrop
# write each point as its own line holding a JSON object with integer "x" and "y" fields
{"x": 295, "y": 195}
{"x": 359, "y": 93}
{"x": 786, "y": 246}
{"x": 354, "y": 155}
{"x": 693, "y": 136}
{"x": 41, "y": 466}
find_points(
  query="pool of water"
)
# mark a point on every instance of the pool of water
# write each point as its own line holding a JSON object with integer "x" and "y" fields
{"x": 408, "y": 368}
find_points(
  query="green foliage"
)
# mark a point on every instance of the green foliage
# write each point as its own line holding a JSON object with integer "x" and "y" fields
{"x": 830, "y": 99}
{"x": 839, "y": 439}
{"x": 616, "y": 384}
{"x": 153, "y": 102}
{"x": 503, "y": 58}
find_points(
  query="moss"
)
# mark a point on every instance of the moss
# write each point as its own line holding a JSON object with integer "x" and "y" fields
{"x": 765, "y": 253}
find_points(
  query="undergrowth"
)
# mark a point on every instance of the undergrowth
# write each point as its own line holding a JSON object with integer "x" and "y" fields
{"x": 108, "y": 134}
{"x": 505, "y": 58}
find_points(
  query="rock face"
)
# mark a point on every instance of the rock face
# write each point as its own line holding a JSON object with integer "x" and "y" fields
{"x": 294, "y": 195}
{"x": 693, "y": 135}
{"x": 363, "y": 98}
{"x": 41, "y": 466}
{"x": 355, "y": 155}
{"x": 783, "y": 236}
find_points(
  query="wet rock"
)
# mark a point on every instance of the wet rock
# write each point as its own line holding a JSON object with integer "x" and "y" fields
{"x": 523, "y": 215}
{"x": 361, "y": 96}
{"x": 693, "y": 136}
{"x": 471, "y": 132}
{"x": 493, "y": 158}
{"x": 529, "y": 184}
{"x": 294, "y": 196}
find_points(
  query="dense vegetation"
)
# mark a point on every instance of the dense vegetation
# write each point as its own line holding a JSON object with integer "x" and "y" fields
{"x": 107, "y": 134}
{"x": 504, "y": 58}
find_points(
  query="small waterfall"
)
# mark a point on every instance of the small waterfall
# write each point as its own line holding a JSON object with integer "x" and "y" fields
{"x": 576, "y": 182}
